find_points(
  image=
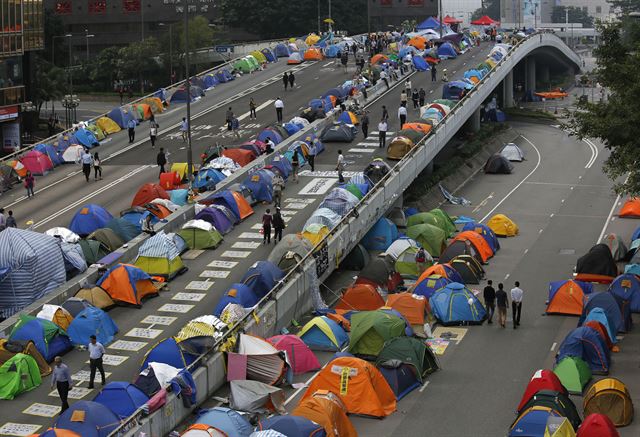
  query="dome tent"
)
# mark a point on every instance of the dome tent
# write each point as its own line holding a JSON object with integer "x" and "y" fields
{"x": 159, "y": 256}
{"x": 610, "y": 397}
{"x": 17, "y": 375}
{"x": 457, "y": 305}
{"x": 92, "y": 321}
{"x": 127, "y": 284}
{"x": 89, "y": 419}
{"x": 47, "y": 337}
{"x": 88, "y": 219}
{"x": 199, "y": 234}
{"x": 122, "y": 398}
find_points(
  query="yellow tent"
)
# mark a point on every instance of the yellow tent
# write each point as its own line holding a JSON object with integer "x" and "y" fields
{"x": 259, "y": 56}
{"x": 491, "y": 62}
{"x": 312, "y": 39}
{"x": 503, "y": 226}
{"x": 56, "y": 314}
{"x": 107, "y": 125}
{"x": 181, "y": 169}
{"x": 558, "y": 427}
{"x": 155, "y": 104}
{"x": 610, "y": 397}
{"x": 315, "y": 232}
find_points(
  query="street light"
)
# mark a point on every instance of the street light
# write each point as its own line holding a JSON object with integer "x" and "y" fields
{"x": 170, "y": 26}
{"x": 87, "y": 36}
{"x": 70, "y": 102}
{"x": 185, "y": 11}
{"x": 53, "y": 45}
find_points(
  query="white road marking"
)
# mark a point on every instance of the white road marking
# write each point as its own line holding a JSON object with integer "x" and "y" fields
{"x": 562, "y": 201}
{"x": 199, "y": 285}
{"x": 20, "y": 429}
{"x": 423, "y": 386}
{"x": 506, "y": 276}
{"x": 223, "y": 264}
{"x": 606, "y": 222}
{"x": 125, "y": 345}
{"x": 144, "y": 333}
{"x": 553, "y": 346}
{"x": 519, "y": 184}
{"x": 190, "y": 297}
{"x": 236, "y": 254}
{"x": 357, "y": 150}
{"x": 551, "y": 215}
{"x": 594, "y": 153}
{"x": 218, "y": 274}
{"x": 540, "y": 231}
{"x": 316, "y": 187}
{"x": 42, "y": 410}
{"x": 175, "y": 308}
{"x": 152, "y": 319}
{"x": 526, "y": 251}
{"x": 245, "y": 245}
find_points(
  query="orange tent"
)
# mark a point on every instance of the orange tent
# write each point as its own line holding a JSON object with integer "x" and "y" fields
{"x": 360, "y": 297}
{"x": 437, "y": 269}
{"x": 243, "y": 206}
{"x": 57, "y": 432}
{"x": 419, "y": 127}
{"x": 128, "y": 284}
{"x": 18, "y": 167}
{"x": 379, "y": 58}
{"x": 419, "y": 42}
{"x": 327, "y": 410}
{"x": 158, "y": 210}
{"x": 414, "y": 308}
{"x": 479, "y": 243}
{"x": 340, "y": 320}
{"x": 568, "y": 299}
{"x": 242, "y": 157}
{"x": 147, "y": 193}
{"x": 358, "y": 384}
{"x": 631, "y": 208}
{"x": 170, "y": 180}
{"x": 313, "y": 54}
{"x": 143, "y": 110}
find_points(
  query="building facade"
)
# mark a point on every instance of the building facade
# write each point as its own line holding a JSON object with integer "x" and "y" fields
{"x": 385, "y": 13}
{"x": 461, "y": 9}
{"x": 598, "y": 9}
{"x": 22, "y": 32}
{"x": 523, "y": 13}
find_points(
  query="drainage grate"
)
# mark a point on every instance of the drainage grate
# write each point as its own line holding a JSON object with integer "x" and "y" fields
{"x": 567, "y": 252}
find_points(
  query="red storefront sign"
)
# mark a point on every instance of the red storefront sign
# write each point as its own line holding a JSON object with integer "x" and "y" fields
{"x": 8, "y": 113}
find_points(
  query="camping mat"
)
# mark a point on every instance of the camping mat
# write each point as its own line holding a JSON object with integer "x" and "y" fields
{"x": 192, "y": 254}
{"x": 448, "y": 333}
{"x": 438, "y": 345}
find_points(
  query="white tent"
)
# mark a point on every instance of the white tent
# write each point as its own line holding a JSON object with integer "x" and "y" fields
{"x": 198, "y": 224}
{"x": 264, "y": 362}
{"x": 399, "y": 246}
{"x": 64, "y": 234}
{"x": 72, "y": 153}
{"x": 512, "y": 152}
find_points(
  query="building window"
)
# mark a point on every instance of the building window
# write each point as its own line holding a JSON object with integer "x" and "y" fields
{"x": 63, "y": 7}
{"x": 418, "y": 3}
{"x": 598, "y": 9}
{"x": 97, "y": 7}
{"x": 387, "y": 3}
{"x": 585, "y": 9}
{"x": 130, "y": 6}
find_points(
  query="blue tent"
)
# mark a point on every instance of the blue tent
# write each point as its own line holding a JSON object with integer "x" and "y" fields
{"x": 429, "y": 23}
{"x": 225, "y": 198}
{"x": 179, "y": 196}
{"x": 336, "y": 92}
{"x": 477, "y": 73}
{"x": 331, "y": 51}
{"x": 88, "y": 219}
{"x": 316, "y": 104}
{"x": 430, "y": 285}
{"x": 292, "y": 128}
{"x": 598, "y": 315}
{"x": 226, "y": 420}
{"x": 586, "y": 343}
{"x": 457, "y": 305}
{"x": 136, "y": 216}
{"x": 532, "y": 423}
{"x": 381, "y": 235}
{"x": 627, "y": 288}
{"x": 161, "y": 94}
{"x": 453, "y": 90}
{"x": 262, "y": 277}
{"x": 340, "y": 201}
{"x": 86, "y": 138}
{"x": 122, "y": 398}
{"x": 608, "y": 303}
{"x": 292, "y": 426}
{"x": 62, "y": 143}
{"x": 295, "y": 148}
{"x": 121, "y": 117}
{"x": 327, "y": 104}
{"x": 209, "y": 81}
{"x": 168, "y": 351}
{"x": 217, "y": 218}
{"x": 636, "y": 234}
{"x": 486, "y": 232}
{"x": 446, "y": 50}
{"x": 51, "y": 152}
{"x": 282, "y": 51}
{"x": 322, "y": 333}
{"x": 260, "y": 184}
{"x": 269, "y": 54}
{"x": 271, "y": 133}
{"x": 407, "y": 50}
{"x": 92, "y": 321}
{"x": 96, "y": 420}
{"x": 402, "y": 379}
{"x": 199, "y": 82}
{"x": 419, "y": 63}
{"x": 123, "y": 228}
{"x": 215, "y": 176}
{"x": 239, "y": 294}
{"x": 180, "y": 96}
{"x": 224, "y": 76}
{"x": 49, "y": 339}
{"x": 283, "y": 166}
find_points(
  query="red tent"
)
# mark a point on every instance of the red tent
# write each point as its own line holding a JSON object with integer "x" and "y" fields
{"x": 37, "y": 162}
{"x": 451, "y": 20}
{"x": 597, "y": 425}
{"x": 541, "y": 380}
{"x": 485, "y": 21}
{"x": 147, "y": 193}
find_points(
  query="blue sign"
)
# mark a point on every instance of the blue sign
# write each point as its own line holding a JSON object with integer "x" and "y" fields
{"x": 224, "y": 49}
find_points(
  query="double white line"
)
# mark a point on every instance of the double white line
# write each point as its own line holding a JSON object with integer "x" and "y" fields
{"x": 594, "y": 153}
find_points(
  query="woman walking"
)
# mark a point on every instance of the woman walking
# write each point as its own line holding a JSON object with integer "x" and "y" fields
{"x": 97, "y": 168}
{"x": 29, "y": 182}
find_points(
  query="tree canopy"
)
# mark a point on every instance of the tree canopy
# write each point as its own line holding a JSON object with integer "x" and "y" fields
{"x": 576, "y": 15}
{"x": 616, "y": 120}
{"x": 491, "y": 8}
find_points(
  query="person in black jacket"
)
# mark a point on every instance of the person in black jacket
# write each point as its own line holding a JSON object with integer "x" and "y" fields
{"x": 278, "y": 226}
{"x": 161, "y": 160}
{"x": 490, "y": 300}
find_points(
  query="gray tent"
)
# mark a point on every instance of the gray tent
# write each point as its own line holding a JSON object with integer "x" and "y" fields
{"x": 498, "y": 164}
{"x": 253, "y": 397}
{"x": 512, "y": 152}
{"x": 338, "y": 133}
{"x": 397, "y": 216}
{"x": 325, "y": 217}
{"x": 290, "y": 251}
{"x": 74, "y": 261}
{"x": 616, "y": 246}
{"x": 357, "y": 259}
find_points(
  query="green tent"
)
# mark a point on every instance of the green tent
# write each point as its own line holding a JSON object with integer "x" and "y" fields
{"x": 428, "y": 236}
{"x": 253, "y": 61}
{"x": 445, "y": 102}
{"x": 450, "y": 225}
{"x": 412, "y": 351}
{"x": 18, "y": 375}
{"x": 371, "y": 329}
{"x": 573, "y": 373}
{"x": 246, "y": 64}
{"x": 406, "y": 263}
{"x": 429, "y": 218}
{"x": 92, "y": 250}
{"x": 50, "y": 328}
{"x": 353, "y": 189}
{"x": 200, "y": 238}
{"x": 96, "y": 131}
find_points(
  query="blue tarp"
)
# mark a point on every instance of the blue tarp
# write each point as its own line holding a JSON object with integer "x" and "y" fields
{"x": 262, "y": 277}
{"x": 381, "y": 235}
{"x": 260, "y": 184}
{"x": 292, "y": 128}
{"x": 316, "y": 104}
{"x": 226, "y": 420}
{"x": 457, "y": 305}
{"x": 121, "y": 117}
{"x": 168, "y": 352}
{"x": 486, "y": 233}
{"x": 627, "y": 288}
{"x": 92, "y": 321}
{"x": 292, "y": 426}
{"x": 97, "y": 420}
{"x": 586, "y": 343}
{"x": 217, "y": 218}
{"x": 88, "y": 219}
{"x": 239, "y": 294}
{"x": 86, "y": 138}
{"x": 122, "y": 398}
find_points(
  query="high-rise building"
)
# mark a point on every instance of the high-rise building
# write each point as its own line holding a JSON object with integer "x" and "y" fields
{"x": 521, "y": 13}
{"x": 598, "y": 9}
{"x": 22, "y": 32}
{"x": 385, "y": 13}
{"x": 461, "y": 9}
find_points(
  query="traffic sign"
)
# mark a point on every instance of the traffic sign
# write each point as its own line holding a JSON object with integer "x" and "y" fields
{"x": 224, "y": 49}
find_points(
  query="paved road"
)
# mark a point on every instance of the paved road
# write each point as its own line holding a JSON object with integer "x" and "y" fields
{"x": 244, "y": 238}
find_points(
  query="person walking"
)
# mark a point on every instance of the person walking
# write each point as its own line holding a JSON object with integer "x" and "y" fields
{"x": 278, "y": 185}
{"x": 344, "y": 58}
{"x": 61, "y": 380}
{"x": 402, "y": 115}
{"x": 434, "y": 73}
{"x": 415, "y": 98}
{"x": 29, "y": 182}
{"x": 516, "y": 304}
{"x": 161, "y": 160}
{"x": 285, "y": 80}
{"x": 403, "y": 98}
{"x": 228, "y": 117}
{"x": 292, "y": 80}
{"x": 96, "y": 352}
{"x": 384, "y": 78}
{"x": 340, "y": 166}
{"x": 502, "y": 302}
{"x": 267, "y": 219}
{"x": 252, "y": 109}
{"x": 295, "y": 165}
{"x": 382, "y": 133}
{"x": 235, "y": 127}
{"x": 11, "y": 221}
{"x": 97, "y": 168}
{"x": 153, "y": 131}
{"x": 421, "y": 260}
{"x": 87, "y": 162}
{"x": 131, "y": 128}
{"x": 407, "y": 87}
{"x": 313, "y": 150}
{"x": 489, "y": 294}
{"x": 279, "y": 105}
{"x": 422, "y": 96}
{"x": 364, "y": 124}
{"x": 385, "y": 113}
{"x": 278, "y": 226}
{"x": 184, "y": 128}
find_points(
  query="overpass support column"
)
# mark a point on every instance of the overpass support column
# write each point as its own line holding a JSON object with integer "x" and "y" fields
{"x": 544, "y": 74}
{"x": 530, "y": 74}
{"x": 507, "y": 91}
{"x": 473, "y": 124}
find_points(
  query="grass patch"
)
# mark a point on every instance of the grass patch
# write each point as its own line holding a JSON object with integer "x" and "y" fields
{"x": 530, "y": 113}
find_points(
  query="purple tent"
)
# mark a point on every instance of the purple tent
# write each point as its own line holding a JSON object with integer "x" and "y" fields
{"x": 217, "y": 218}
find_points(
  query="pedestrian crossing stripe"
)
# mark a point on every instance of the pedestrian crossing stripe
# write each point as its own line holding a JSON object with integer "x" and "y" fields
{"x": 389, "y": 132}
{"x": 357, "y": 150}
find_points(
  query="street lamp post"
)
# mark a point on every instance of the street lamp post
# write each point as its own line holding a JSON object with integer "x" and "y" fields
{"x": 170, "y": 26}
{"x": 142, "y": 20}
{"x": 188, "y": 90}
{"x": 53, "y": 46}
{"x": 70, "y": 102}
{"x": 70, "y": 64}
{"x": 87, "y": 36}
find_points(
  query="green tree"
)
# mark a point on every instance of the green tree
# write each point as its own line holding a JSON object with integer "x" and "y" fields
{"x": 200, "y": 34}
{"x": 625, "y": 6}
{"x": 490, "y": 8}
{"x": 139, "y": 58}
{"x": 616, "y": 121}
{"x": 103, "y": 69}
{"x": 49, "y": 82}
{"x": 55, "y": 49}
{"x": 576, "y": 15}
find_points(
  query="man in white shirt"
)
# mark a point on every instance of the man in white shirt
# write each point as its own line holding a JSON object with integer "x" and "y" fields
{"x": 279, "y": 105}
{"x": 382, "y": 133}
{"x": 402, "y": 115}
{"x": 516, "y": 304}
{"x": 87, "y": 162}
{"x": 340, "y": 166}
{"x": 96, "y": 351}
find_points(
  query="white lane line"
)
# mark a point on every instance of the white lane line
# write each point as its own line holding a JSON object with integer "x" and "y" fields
{"x": 606, "y": 222}
{"x": 553, "y": 346}
{"x": 423, "y": 386}
{"x": 540, "y": 231}
{"x": 89, "y": 196}
{"x": 526, "y": 251}
{"x": 594, "y": 153}
{"x": 506, "y": 276}
{"x": 520, "y": 183}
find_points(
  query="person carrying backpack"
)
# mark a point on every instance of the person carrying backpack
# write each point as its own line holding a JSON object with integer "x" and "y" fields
{"x": 421, "y": 260}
